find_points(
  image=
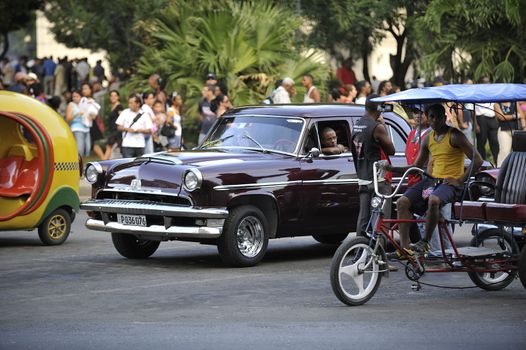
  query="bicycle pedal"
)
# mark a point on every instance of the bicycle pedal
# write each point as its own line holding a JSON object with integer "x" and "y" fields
{"x": 416, "y": 287}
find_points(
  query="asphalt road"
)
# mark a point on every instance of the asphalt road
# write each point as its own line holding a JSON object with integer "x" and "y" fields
{"x": 84, "y": 295}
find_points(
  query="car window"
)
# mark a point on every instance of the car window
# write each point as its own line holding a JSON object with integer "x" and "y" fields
{"x": 256, "y": 132}
{"x": 395, "y": 134}
{"x": 340, "y": 127}
{"x": 397, "y": 139}
{"x": 312, "y": 141}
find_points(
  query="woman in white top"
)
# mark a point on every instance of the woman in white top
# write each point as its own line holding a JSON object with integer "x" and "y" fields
{"x": 148, "y": 99}
{"x": 89, "y": 109}
{"x": 74, "y": 117}
{"x": 312, "y": 95}
{"x": 174, "y": 118}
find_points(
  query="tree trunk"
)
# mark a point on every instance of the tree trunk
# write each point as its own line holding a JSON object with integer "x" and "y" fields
{"x": 365, "y": 68}
{"x": 410, "y": 56}
{"x": 366, "y": 51}
{"x": 6, "y": 45}
{"x": 399, "y": 68}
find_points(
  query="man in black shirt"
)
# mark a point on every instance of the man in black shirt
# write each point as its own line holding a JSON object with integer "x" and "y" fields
{"x": 370, "y": 137}
{"x": 206, "y": 116}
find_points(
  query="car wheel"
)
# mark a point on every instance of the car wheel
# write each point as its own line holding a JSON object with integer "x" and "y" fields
{"x": 522, "y": 267}
{"x": 244, "y": 239}
{"x": 54, "y": 230}
{"x": 131, "y": 247}
{"x": 331, "y": 239}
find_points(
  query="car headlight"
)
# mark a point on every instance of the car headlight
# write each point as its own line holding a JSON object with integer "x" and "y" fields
{"x": 192, "y": 180}
{"x": 486, "y": 191}
{"x": 376, "y": 202}
{"x": 93, "y": 170}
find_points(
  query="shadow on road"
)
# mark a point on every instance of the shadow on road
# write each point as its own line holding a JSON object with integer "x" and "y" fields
{"x": 208, "y": 257}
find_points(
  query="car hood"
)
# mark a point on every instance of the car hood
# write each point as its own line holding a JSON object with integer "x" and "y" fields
{"x": 165, "y": 170}
{"x": 208, "y": 158}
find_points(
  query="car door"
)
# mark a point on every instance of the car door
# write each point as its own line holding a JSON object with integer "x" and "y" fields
{"x": 329, "y": 183}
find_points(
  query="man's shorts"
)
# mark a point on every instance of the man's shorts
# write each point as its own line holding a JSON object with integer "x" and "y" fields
{"x": 420, "y": 192}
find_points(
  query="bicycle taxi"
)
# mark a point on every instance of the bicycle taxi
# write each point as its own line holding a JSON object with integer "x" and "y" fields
{"x": 493, "y": 259}
{"x": 39, "y": 169}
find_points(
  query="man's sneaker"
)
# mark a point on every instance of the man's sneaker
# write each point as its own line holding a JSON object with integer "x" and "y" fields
{"x": 421, "y": 246}
{"x": 396, "y": 255}
{"x": 392, "y": 268}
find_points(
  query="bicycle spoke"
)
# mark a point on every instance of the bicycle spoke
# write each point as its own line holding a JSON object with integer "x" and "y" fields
{"x": 358, "y": 280}
{"x": 349, "y": 270}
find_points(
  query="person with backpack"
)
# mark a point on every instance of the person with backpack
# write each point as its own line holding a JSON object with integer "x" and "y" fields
{"x": 134, "y": 124}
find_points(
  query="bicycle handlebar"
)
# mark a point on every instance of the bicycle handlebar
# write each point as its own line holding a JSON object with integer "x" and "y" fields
{"x": 387, "y": 196}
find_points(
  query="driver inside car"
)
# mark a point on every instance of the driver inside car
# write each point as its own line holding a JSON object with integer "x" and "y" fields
{"x": 448, "y": 148}
{"x": 329, "y": 142}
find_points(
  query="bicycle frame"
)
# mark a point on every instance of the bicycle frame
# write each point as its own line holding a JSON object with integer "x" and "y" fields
{"x": 453, "y": 260}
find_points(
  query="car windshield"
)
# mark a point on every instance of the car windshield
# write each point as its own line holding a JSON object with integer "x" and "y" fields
{"x": 279, "y": 134}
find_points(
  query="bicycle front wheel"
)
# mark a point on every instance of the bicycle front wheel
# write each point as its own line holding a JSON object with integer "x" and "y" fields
{"x": 355, "y": 271}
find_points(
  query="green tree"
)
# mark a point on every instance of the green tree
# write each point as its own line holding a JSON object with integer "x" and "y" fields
{"x": 360, "y": 25}
{"x": 474, "y": 38}
{"x": 15, "y": 15}
{"x": 115, "y": 26}
{"x": 249, "y": 45}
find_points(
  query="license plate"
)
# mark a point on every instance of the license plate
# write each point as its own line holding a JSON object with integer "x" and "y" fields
{"x": 133, "y": 220}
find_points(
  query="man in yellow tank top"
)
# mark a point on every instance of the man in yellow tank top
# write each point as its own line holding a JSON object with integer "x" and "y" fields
{"x": 447, "y": 147}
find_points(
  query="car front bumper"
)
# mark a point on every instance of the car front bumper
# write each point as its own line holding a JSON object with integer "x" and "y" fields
{"x": 165, "y": 221}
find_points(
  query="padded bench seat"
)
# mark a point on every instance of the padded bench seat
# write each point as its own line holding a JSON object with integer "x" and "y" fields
{"x": 9, "y": 169}
{"x": 471, "y": 210}
{"x": 506, "y": 213}
{"x": 17, "y": 176}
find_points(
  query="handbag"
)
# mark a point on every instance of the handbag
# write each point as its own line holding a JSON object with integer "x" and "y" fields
{"x": 168, "y": 130}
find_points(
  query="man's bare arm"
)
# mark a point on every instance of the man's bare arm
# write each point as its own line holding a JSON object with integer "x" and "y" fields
{"x": 459, "y": 140}
{"x": 334, "y": 150}
{"x": 380, "y": 134}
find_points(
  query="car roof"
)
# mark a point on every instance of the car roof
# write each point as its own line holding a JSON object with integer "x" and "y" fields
{"x": 315, "y": 110}
{"x": 302, "y": 110}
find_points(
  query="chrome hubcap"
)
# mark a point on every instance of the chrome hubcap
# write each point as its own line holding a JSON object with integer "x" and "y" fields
{"x": 250, "y": 236}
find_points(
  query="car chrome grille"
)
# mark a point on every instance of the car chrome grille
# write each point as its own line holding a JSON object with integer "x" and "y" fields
{"x": 145, "y": 196}
{"x": 143, "y": 207}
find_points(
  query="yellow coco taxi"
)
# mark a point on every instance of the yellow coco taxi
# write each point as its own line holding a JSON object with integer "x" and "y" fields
{"x": 39, "y": 169}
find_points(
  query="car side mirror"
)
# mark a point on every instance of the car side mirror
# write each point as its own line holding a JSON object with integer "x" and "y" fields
{"x": 385, "y": 107}
{"x": 313, "y": 153}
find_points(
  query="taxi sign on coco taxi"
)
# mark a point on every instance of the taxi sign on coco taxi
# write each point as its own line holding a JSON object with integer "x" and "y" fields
{"x": 39, "y": 169}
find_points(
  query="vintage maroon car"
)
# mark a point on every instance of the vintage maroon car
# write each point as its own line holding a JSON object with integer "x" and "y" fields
{"x": 258, "y": 175}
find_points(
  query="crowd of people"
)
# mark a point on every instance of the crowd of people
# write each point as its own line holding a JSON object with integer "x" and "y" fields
{"x": 152, "y": 120}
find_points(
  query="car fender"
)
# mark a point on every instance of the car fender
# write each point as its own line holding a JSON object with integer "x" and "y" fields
{"x": 262, "y": 200}
{"x": 63, "y": 197}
